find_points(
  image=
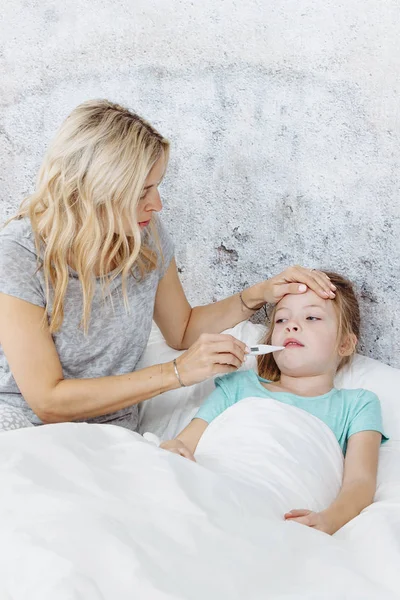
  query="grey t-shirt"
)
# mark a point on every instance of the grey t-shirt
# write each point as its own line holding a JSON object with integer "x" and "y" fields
{"x": 116, "y": 339}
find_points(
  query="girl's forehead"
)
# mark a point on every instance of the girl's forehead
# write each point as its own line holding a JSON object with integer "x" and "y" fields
{"x": 309, "y": 299}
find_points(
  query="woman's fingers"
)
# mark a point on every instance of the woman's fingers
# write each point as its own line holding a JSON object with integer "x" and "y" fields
{"x": 292, "y": 280}
{"x": 323, "y": 282}
{"x": 317, "y": 281}
{"x": 223, "y": 338}
{"x": 219, "y": 369}
{"x": 227, "y": 345}
{"x": 289, "y": 288}
{"x": 211, "y": 354}
{"x": 227, "y": 359}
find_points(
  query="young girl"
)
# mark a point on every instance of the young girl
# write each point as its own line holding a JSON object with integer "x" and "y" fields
{"x": 320, "y": 337}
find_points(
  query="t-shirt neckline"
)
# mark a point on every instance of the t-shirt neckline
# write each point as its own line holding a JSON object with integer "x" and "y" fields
{"x": 259, "y": 379}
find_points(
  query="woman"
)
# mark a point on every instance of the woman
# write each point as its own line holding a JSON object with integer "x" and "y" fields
{"x": 84, "y": 268}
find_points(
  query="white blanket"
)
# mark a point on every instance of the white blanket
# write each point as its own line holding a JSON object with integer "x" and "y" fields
{"x": 290, "y": 456}
{"x": 95, "y": 512}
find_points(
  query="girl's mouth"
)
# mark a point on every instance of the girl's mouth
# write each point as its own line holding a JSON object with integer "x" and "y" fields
{"x": 292, "y": 343}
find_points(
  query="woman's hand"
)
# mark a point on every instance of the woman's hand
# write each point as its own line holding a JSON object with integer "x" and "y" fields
{"x": 288, "y": 282}
{"x": 296, "y": 280}
{"x": 316, "y": 520}
{"x": 210, "y": 355}
{"x": 178, "y": 447}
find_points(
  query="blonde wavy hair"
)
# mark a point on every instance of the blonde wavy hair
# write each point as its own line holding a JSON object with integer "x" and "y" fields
{"x": 89, "y": 184}
{"x": 348, "y": 311}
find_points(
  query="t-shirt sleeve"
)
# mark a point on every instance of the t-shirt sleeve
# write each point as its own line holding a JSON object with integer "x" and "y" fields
{"x": 167, "y": 248}
{"x": 219, "y": 400}
{"x": 367, "y": 415}
{"x": 18, "y": 272}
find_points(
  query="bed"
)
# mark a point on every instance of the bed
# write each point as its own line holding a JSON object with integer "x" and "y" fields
{"x": 96, "y": 512}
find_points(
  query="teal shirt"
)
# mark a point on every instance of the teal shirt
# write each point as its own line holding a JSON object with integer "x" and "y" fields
{"x": 346, "y": 412}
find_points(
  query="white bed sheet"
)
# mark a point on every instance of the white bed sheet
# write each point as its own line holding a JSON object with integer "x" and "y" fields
{"x": 94, "y": 512}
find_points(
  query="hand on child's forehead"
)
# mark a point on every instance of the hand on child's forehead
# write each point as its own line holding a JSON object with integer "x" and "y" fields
{"x": 299, "y": 301}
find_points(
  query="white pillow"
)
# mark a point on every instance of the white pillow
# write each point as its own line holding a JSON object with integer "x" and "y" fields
{"x": 380, "y": 378}
{"x": 167, "y": 414}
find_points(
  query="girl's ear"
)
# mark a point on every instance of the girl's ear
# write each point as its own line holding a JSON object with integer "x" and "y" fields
{"x": 348, "y": 345}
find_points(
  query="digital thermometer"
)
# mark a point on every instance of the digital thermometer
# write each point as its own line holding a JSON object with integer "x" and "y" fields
{"x": 264, "y": 349}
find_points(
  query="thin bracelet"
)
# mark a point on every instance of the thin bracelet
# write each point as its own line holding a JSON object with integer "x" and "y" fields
{"x": 177, "y": 373}
{"x": 245, "y": 305}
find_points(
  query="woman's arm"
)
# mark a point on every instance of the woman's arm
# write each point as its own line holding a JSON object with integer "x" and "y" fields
{"x": 186, "y": 442}
{"x": 35, "y": 365}
{"x": 358, "y": 488}
{"x": 181, "y": 324}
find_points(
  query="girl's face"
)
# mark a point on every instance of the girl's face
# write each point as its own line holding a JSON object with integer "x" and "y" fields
{"x": 307, "y": 326}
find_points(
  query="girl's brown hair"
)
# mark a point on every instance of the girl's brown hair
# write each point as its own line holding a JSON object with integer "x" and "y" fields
{"x": 348, "y": 310}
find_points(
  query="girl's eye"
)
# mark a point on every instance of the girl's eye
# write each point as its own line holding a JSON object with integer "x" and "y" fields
{"x": 279, "y": 321}
{"x": 313, "y": 318}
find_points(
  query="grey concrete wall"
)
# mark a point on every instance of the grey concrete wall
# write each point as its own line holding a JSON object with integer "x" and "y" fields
{"x": 283, "y": 117}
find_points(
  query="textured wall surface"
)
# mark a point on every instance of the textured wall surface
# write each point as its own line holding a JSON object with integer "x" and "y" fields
{"x": 284, "y": 120}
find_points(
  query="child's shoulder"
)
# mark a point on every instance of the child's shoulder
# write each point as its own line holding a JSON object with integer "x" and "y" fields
{"x": 359, "y": 395}
{"x": 238, "y": 378}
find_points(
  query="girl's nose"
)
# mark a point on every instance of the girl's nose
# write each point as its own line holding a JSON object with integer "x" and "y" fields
{"x": 292, "y": 327}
